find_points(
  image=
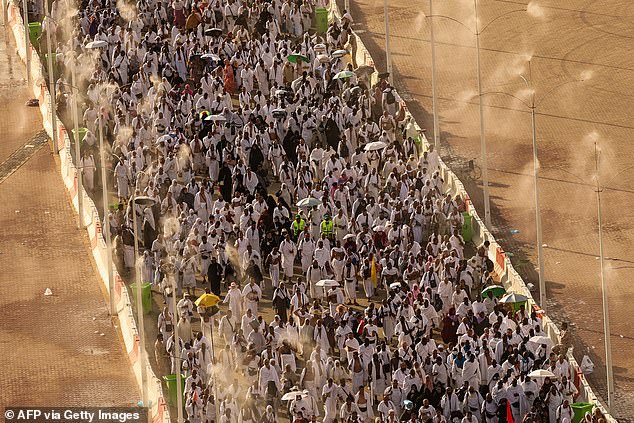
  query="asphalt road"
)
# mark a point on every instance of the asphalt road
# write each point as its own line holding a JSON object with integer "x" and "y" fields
{"x": 582, "y": 73}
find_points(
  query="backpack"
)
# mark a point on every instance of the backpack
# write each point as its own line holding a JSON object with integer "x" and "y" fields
{"x": 389, "y": 97}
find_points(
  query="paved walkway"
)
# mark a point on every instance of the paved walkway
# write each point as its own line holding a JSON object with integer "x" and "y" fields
{"x": 575, "y": 39}
{"x": 60, "y": 350}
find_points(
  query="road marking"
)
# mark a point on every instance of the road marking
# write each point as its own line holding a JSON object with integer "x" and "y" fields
{"x": 22, "y": 155}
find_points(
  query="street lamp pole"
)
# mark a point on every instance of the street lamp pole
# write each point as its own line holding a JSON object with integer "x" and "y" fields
{"x": 177, "y": 355}
{"x": 106, "y": 219}
{"x": 538, "y": 210}
{"x": 538, "y": 216}
{"x": 388, "y": 53}
{"x": 433, "y": 74}
{"x": 483, "y": 144}
{"x": 139, "y": 303}
{"x": 51, "y": 77}
{"x": 604, "y": 288}
{"x": 27, "y": 43}
{"x": 80, "y": 196}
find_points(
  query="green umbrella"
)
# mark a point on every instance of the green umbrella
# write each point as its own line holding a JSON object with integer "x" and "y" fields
{"x": 344, "y": 75}
{"x": 294, "y": 58}
{"x": 497, "y": 291}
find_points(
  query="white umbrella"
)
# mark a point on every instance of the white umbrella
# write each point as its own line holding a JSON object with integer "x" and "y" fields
{"x": 216, "y": 118}
{"x": 323, "y": 58}
{"x": 349, "y": 236}
{"x": 541, "y": 340}
{"x": 395, "y": 285}
{"x": 97, "y": 44}
{"x": 339, "y": 53}
{"x": 320, "y": 47}
{"x": 513, "y": 298}
{"x": 327, "y": 283}
{"x": 536, "y": 341}
{"x": 375, "y": 145}
{"x": 541, "y": 373}
{"x": 308, "y": 202}
{"x": 289, "y": 396}
{"x": 211, "y": 56}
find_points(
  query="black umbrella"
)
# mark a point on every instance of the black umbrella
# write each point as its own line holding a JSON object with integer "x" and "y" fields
{"x": 213, "y": 32}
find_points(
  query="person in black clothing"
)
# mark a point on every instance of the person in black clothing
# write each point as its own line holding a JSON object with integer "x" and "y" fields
{"x": 256, "y": 158}
{"x": 225, "y": 182}
{"x": 415, "y": 396}
{"x": 127, "y": 239}
{"x": 289, "y": 143}
{"x": 281, "y": 302}
{"x": 268, "y": 243}
{"x": 332, "y": 133}
{"x": 214, "y": 275}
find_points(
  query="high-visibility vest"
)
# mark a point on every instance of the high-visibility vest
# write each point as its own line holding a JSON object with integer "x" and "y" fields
{"x": 327, "y": 227}
{"x": 297, "y": 227}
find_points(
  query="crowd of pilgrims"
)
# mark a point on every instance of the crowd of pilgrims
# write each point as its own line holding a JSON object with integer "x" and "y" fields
{"x": 206, "y": 114}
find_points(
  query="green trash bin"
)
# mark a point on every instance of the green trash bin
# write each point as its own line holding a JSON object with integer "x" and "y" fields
{"x": 146, "y": 296}
{"x": 580, "y": 409}
{"x": 170, "y": 381}
{"x": 467, "y": 227}
{"x": 321, "y": 20}
{"x": 82, "y": 134}
{"x": 35, "y": 30}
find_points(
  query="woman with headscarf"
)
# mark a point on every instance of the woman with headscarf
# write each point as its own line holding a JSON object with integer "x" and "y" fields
{"x": 179, "y": 13}
{"x": 180, "y": 62}
{"x": 229, "y": 77}
{"x": 269, "y": 415}
{"x": 449, "y": 327}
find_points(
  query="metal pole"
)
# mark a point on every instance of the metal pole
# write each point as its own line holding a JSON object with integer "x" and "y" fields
{"x": 483, "y": 143}
{"x": 80, "y": 196}
{"x": 604, "y": 290}
{"x": 213, "y": 360}
{"x": 139, "y": 303}
{"x": 433, "y": 75}
{"x": 346, "y": 5}
{"x": 27, "y": 42}
{"x": 538, "y": 217}
{"x": 177, "y": 356}
{"x": 51, "y": 77}
{"x": 106, "y": 220}
{"x": 388, "y": 53}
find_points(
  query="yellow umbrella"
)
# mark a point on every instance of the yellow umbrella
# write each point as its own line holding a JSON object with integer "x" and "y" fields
{"x": 207, "y": 300}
